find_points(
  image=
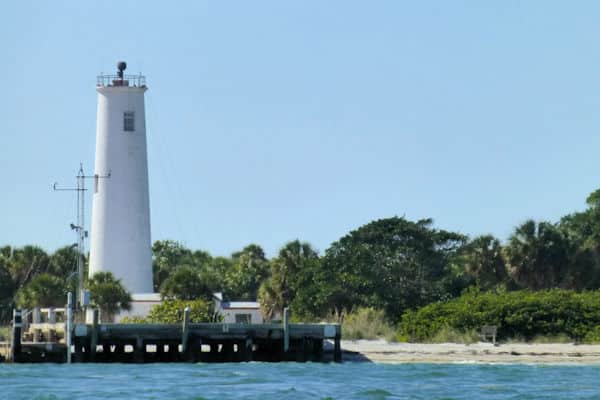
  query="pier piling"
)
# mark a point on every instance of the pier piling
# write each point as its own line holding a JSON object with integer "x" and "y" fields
{"x": 15, "y": 349}
{"x": 286, "y": 330}
{"x": 69, "y": 326}
{"x": 94, "y": 336}
{"x": 185, "y": 335}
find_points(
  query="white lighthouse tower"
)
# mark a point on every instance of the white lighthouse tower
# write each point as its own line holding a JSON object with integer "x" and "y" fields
{"x": 120, "y": 241}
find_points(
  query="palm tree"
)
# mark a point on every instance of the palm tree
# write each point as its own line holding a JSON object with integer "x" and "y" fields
{"x": 63, "y": 261}
{"x": 280, "y": 289}
{"x": 485, "y": 262}
{"x": 44, "y": 290}
{"x": 108, "y": 294}
{"x": 270, "y": 301}
{"x": 27, "y": 262}
{"x": 537, "y": 255}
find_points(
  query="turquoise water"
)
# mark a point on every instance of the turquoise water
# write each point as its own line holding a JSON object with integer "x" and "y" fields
{"x": 298, "y": 381}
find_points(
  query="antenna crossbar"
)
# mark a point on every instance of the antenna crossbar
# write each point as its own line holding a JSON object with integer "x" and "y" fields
{"x": 79, "y": 228}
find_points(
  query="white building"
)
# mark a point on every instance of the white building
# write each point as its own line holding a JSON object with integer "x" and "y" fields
{"x": 120, "y": 231}
{"x": 238, "y": 312}
{"x": 141, "y": 303}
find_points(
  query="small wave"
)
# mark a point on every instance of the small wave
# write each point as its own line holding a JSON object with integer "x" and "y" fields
{"x": 376, "y": 394}
{"x": 244, "y": 381}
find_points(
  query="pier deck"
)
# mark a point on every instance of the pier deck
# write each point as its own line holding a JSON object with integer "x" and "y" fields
{"x": 204, "y": 343}
{"x": 186, "y": 342}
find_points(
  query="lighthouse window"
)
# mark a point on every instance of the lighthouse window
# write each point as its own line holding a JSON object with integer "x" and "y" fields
{"x": 128, "y": 121}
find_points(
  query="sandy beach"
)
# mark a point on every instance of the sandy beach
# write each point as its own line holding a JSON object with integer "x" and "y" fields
{"x": 382, "y": 351}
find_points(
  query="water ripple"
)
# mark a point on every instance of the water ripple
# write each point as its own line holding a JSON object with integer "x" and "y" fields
{"x": 265, "y": 381}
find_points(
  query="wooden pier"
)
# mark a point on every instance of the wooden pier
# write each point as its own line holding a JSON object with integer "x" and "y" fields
{"x": 185, "y": 342}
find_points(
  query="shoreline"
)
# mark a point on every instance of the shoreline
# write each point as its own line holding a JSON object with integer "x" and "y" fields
{"x": 380, "y": 351}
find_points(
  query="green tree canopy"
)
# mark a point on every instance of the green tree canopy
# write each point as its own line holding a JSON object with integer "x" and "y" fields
{"x": 593, "y": 200}
{"x": 7, "y": 286}
{"x": 171, "y": 311}
{"x": 44, "y": 290}
{"x": 26, "y": 262}
{"x": 168, "y": 255}
{"x": 7, "y": 291}
{"x": 485, "y": 262}
{"x": 583, "y": 232}
{"x": 63, "y": 261}
{"x": 291, "y": 274}
{"x": 391, "y": 264}
{"x": 108, "y": 294}
{"x": 538, "y": 255}
{"x": 250, "y": 268}
{"x": 185, "y": 284}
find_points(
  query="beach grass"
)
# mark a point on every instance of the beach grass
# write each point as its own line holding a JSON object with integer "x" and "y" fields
{"x": 450, "y": 335}
{"x": 367, "y": 323}
{"x": 546, "y": 339}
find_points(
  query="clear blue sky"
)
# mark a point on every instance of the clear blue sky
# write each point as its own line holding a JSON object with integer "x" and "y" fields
{"x": 271, "y": 121}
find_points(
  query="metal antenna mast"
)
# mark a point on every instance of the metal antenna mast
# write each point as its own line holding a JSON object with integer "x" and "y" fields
{"x": 80, "y": 227}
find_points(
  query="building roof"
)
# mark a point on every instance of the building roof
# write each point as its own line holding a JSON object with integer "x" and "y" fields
{"x": 228, "y": 305}
{"x": 146, "y": 297}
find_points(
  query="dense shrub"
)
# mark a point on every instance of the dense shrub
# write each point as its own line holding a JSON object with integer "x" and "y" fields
{"x": 366, "y": 323}
{"x": 593, "y": 335}
{"x": 171, "y": 312}
{"x": 134, "y": 319}
{"x": 521, "y": 314}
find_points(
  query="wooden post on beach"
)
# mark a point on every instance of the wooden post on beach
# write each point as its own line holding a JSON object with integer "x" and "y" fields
{"x": 15, "y": 349}
{"x": 94, "y": 338}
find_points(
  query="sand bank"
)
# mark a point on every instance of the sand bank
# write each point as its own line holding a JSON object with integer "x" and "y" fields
{"x": 382, "y": 351}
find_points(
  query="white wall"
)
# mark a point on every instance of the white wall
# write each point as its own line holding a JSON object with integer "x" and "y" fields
{"x": 229, "y": 315}
{"x": 140, "y": 306}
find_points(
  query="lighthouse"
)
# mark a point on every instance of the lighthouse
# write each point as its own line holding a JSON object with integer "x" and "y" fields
{"x": 120, "y": 233}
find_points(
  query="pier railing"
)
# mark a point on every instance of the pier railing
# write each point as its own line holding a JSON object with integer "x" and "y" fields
{"x": 43, "y": 324}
